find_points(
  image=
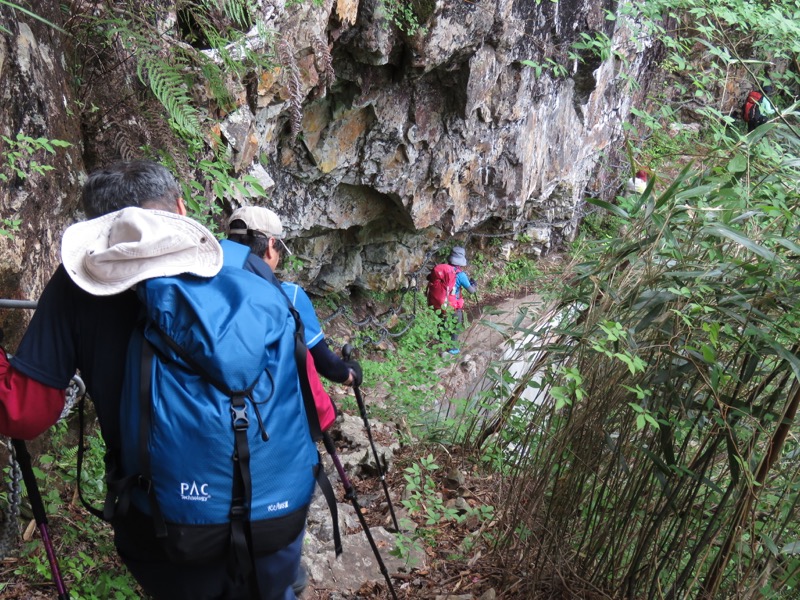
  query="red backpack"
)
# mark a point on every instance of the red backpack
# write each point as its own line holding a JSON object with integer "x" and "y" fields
{"x": 441, "y": 283}
{"x": 750, "y": 110}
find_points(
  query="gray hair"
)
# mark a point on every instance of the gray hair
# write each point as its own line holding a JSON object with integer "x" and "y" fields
{"x": 141, "y": 183}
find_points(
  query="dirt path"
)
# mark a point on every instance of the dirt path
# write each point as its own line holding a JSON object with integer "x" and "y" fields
{"x": 492, "y": 323}
{"x": 486, "y": 340}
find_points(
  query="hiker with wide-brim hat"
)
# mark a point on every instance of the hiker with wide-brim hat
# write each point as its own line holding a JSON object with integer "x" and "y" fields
{"x": 84, "y": 321}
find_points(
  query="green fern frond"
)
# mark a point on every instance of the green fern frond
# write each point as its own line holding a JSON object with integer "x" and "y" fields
{"x": 68, "y": 454}
{"x": 217, "y": 85}
{"x": 168, "y": 83}
{"x": 238, "y": 11}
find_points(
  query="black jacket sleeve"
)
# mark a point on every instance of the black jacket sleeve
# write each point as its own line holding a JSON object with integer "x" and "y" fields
{"x": 328, "y": 364}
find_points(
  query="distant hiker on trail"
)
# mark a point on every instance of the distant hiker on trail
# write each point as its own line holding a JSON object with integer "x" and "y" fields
{"x": 445, "y": 283}
{"x": 261, "y": 230}
{"x": 757, "y": 108}
{"x": 85, "y": 319}
{"x": 638, "y": 183}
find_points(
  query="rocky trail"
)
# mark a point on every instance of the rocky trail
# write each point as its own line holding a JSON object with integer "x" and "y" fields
{"x": 356, "y": 573}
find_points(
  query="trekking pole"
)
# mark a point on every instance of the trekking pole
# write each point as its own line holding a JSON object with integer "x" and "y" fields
{"x": 347, "y": 351}
{"x": 24, "y": 461}
{"x": 350, "y": 494}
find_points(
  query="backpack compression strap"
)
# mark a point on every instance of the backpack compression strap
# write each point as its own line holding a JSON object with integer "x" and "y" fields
{"x": 238, "y": 255}
{"x": 242, "y": 484}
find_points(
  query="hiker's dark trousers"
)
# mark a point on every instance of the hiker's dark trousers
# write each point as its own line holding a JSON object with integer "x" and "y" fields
{"x": 164, "y": 580}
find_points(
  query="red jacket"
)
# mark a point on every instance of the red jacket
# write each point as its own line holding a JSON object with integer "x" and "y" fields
{"x": 27, "y": 407}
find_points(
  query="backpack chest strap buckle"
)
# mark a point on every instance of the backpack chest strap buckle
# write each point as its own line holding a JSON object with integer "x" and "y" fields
{"x": 239, "y": 417}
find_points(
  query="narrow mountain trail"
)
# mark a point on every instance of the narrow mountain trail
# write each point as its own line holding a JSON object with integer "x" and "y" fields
{"x": 356, "y": 573}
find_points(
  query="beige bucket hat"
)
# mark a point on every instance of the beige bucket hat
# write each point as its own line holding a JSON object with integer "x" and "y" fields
{"x": 112, "y": 253}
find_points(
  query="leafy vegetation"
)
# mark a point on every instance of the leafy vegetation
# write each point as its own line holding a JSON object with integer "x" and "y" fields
{"x": 21, "y": 156}
{"x": 212, "y": 50}
{"x": 90, "y": 568}
{"x": 408, "y": 15}
{"x": 408, "y": 371}
{"x": 650, "y": 448}
{"x": 429, "y": 510}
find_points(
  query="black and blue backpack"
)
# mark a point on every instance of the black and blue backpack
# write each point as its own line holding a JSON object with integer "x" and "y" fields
{"x": 217, "y": 431}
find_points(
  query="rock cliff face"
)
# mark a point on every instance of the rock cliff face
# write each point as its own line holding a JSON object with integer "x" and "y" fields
{"x": 445, "y": 134}
{"x": 405, "y": 141}
{"x": 37, "y": 188}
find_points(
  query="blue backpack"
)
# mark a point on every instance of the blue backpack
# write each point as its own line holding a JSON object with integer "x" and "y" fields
{"x": 217, "y": 444}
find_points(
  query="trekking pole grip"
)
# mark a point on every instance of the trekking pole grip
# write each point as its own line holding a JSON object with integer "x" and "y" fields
{"x": 347, "y": 351}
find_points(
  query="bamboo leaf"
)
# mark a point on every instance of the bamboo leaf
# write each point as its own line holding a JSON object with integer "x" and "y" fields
{"x": 770, "y": 544}
{"x": 709, "y": 274}
{"x": 670, "y": 192}
{"x": 30, "y": 14}
{"x": 649, "y": 318}
{"x": 709, "y": 355}
{"x": 791, "y": 548}
{"x": 737, "y": 164}
{"x": 653, "y": 298}
{"x": 723, "y": 231}
{"x": 745, "y": 216}
{"x": 699, "y": 191}
{"x": 612, "y": 208}
{"x": 657, "y": 461}
{"x": 788, "y": 244}
{"x": 785, "y": 354}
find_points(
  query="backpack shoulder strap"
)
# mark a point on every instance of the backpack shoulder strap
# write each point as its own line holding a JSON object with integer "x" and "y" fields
{"x": 258, "y": 267}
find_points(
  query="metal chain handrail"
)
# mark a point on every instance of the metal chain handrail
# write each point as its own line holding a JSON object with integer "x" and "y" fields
{"x": 14, "y": 485}
{"x": 75, "y": 390}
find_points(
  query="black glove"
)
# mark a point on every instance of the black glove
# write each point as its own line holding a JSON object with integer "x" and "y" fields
{"x": 472, "y": 282}
{"x": 358, "y": 374}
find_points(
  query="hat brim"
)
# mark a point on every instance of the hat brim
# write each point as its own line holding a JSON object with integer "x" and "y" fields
{"x": 459, "y": 262}
{"x": 178, "y": 245}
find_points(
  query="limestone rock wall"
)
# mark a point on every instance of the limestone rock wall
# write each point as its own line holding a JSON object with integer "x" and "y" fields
{"x": 423, "y": 140}
{"x": 38, "y": 188}
{"x": 405, "y": 142}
